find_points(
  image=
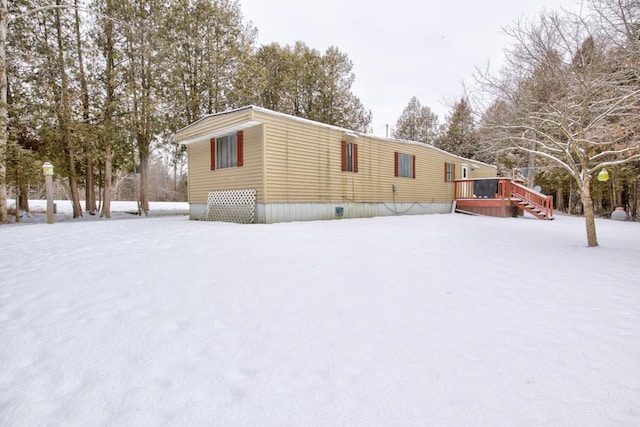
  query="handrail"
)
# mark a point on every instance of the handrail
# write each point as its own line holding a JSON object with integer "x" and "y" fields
{"x": 539, "y": 200}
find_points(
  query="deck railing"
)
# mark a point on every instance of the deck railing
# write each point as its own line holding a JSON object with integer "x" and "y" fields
{"x": 502, "y": 188}
{"x": 539, "y": 200}
{"x": 468, "y": 188}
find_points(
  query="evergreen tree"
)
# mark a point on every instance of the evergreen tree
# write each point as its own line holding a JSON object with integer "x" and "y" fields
{"x": 417, "y": 123}
{"x": 303, "y": 82}
{"x": 102, "y": 90}
{"x": 460, "y": 136}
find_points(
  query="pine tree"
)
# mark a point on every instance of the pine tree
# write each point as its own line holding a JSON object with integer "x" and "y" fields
{"x": 460, "y": 136}
{"x": 417, "y": 123}
{"x": 303, "y": 82}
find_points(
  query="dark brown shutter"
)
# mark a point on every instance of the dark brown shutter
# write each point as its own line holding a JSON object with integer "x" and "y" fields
{"x": 343, "y": 154}
{"x": 240, "y": 140}
{"x": 445, "y": 171}
{"x": 355, "y": 157}
{"x": 453, "y": 172}
{"x": 395, "y": 163}
{"x": 414, "y": 166}
{"x": 213, "y": 154}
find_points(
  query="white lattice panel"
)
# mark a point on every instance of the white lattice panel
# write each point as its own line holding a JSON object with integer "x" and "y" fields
{"x": 231, "y": 206}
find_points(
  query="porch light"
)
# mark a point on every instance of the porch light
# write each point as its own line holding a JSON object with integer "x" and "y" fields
{"x": 47, "y": 169}
{"x": 603, "y": 175}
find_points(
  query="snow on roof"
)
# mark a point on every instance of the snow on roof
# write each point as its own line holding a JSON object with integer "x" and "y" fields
{"x": 315, "y": 123}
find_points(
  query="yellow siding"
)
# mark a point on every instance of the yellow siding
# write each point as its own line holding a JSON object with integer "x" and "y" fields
{"x": 291, "y": 160}
{"x": 202, "y": 179}
{"x": 303, "y": 164}
{"x": 485, "y": 171}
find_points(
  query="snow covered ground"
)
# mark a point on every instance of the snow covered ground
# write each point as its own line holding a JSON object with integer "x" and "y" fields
{"x": 438, "y": 320}
{"x": 119, "y": 210}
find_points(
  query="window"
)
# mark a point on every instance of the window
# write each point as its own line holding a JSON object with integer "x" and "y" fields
{"x": 405, "y": 165}
{"x": 349, "y": 157}
{"x": 449, "y": 172}
{"x": 227, "y": 151}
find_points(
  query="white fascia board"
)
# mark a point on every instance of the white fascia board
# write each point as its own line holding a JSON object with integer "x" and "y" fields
{"x": 222, "y": 132}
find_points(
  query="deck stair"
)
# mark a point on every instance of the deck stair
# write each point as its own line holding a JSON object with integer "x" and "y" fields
{"x": 528, "y": 200}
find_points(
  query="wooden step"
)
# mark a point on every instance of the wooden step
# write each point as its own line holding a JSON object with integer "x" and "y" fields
{"x": 462, "y": 211}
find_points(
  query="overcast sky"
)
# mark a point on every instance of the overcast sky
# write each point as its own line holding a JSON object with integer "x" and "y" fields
{"x": 402, "y": 48}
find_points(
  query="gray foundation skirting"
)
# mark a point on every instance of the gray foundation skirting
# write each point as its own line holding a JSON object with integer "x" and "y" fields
{"x": 287, "y": 212}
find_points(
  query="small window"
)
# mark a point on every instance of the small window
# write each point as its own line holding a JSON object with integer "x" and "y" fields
{"x": 226, "y": 151}
{"x": 405, "y": 165}
{"x": 349, "y": 157}
{"x": 449, "y": 172}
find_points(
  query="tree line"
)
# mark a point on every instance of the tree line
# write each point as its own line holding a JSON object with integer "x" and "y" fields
{"x": 99, "y": 87}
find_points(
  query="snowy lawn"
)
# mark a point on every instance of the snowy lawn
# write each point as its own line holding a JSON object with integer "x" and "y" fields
{"x": 119, "y": 210}
{"x": 435, "y": 320}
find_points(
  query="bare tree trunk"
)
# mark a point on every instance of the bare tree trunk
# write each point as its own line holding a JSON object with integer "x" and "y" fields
{"x": 106, "y": 203}
{"x": 144, "y": 179}
{"x": 4, "y": 16}
{"x": 531, "y": 175}
{"x": 636, "y": 201}
{"x": 90, "y": 188}
{"x": 175, "y": 179}
{"x": 560, "y": 199}
{"x": 142, "y": 108}
{"x": 64, "y": 116}
{"x": 587, "y": 204}
{"x": 617, "y": 190}
{"x": 570, "y": 210}
{"x": 23, "y": 197}
{"x": 90, "y": 191}
{"x": 110, "y": 83}
{"x": 17, "y": 210}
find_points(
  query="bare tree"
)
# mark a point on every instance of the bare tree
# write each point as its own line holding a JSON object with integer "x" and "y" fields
{"x": 585, "y": 120}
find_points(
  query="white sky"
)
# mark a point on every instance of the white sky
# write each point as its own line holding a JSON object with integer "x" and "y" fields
{"x": 399, "y": 49}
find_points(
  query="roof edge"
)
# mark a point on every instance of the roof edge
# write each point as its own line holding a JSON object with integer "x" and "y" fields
{"x": 325, "y": 125}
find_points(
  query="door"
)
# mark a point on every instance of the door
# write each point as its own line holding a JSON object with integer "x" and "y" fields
{"x": 465, "y": 171}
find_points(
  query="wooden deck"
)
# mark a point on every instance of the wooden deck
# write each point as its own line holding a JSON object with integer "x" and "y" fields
{"x": 501, "y": 197}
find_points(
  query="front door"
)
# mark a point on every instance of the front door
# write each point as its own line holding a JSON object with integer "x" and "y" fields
{"x": 465, "y": 171}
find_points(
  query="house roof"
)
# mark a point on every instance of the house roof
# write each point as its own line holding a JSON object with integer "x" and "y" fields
{"x": 252, "y": 123}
